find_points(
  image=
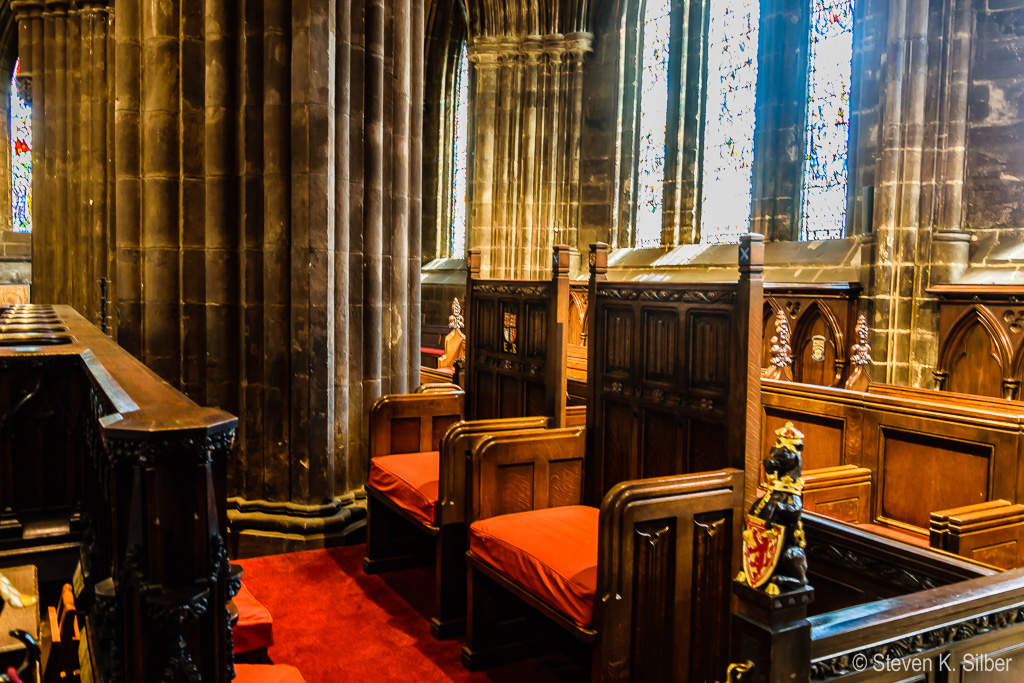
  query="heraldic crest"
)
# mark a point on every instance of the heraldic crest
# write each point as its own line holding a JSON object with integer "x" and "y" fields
{"x": 773, "y": 541}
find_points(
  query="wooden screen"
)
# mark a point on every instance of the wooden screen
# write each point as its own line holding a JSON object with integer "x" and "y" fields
{"x": 669, "y": 369}
{"x": 516, "y": 343}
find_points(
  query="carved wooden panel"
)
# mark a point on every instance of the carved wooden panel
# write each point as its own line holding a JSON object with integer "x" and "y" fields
{"x": 654, "y": 573}
{"x": 536, "y": 330}
{"x": 564, "y": 477}
{"x": 661, "y": 332}
{"x": 662, "y": 442}
{"x": 617, "y": 437}
{"x": 974, "y": 363}
{"x": 515, "y": 484}
{"x": 511, "y": 345}
{"x": 843, "y": 509}
{"x": 706, "y": 439}
{"x": 1003, "y": 555}
{"x": 663, "y": 360}
{"x": 712, "y": 537}
{"x": 922, "y": 473}
{"x": 821, "y": 318}
{"x": 824, "y": 436}
{"x": 440, "y": 425}
{"x": 483, "y": 384}
{"x": 487, "y": 328}
{"x": 981, "y": 339}
{"x": 618, "y": 340}
{"x": 815, "y": 350}
{"x": 708, "y": 347}
{"x": 405, "y": 435}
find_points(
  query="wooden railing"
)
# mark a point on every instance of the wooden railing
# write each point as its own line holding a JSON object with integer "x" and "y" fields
{"x": 129, "y": 465}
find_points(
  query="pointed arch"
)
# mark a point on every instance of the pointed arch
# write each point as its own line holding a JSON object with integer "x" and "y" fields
{"x": 975, "y": 356}
{"x": 818, "y": 320}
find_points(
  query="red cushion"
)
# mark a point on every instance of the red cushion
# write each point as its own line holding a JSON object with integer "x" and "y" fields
{"x": 267, "y": 673}
{"x": 552, "y": 553}
{"x": 431, "y": 352}
{"x": 410, "y": 480}
{"x": 255, "y": 627}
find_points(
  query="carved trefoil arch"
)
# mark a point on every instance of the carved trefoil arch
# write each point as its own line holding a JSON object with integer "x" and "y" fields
{"x": 989, "y": 373}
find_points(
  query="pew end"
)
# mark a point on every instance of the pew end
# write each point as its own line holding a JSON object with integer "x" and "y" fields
{"x": 990, "y": 532}
{"x": 413, "y": 423}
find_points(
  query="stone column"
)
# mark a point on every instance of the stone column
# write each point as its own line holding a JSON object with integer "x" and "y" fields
{"x": 32, "y": 78}
{"x": 527, "y": 119}
{"x": 128, "y": 175}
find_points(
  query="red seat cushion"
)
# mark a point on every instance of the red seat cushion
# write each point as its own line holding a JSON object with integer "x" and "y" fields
{"x": 431, "y": 352}
{"x": 267, "y": 673}
{"x": 410, "y": 480}
{"x": 552, "y": 553}
{"x": 255, "y": 627}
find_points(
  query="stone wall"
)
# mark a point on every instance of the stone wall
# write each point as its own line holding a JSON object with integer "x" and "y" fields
{"x": 995, "y": 143}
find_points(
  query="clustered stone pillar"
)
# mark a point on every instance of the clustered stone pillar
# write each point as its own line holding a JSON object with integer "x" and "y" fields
{"x": 527, "y": 114}
{"x": 918, "y": 197}
{"x": 63, "y": 46}
{"x": 248, "y": 176}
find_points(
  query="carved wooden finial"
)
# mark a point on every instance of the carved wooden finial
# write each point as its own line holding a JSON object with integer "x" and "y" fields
{"x": 781, "y": 362}
{"x": 598, "y": 260}
{"x": 456, "y": 321}
{"x": 860, "y": 358}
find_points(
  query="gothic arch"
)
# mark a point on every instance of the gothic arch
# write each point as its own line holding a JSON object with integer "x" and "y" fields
{"x": 814, "y": 320}
{"x": 771, "y": 309}
{"x": 987, "y": 371}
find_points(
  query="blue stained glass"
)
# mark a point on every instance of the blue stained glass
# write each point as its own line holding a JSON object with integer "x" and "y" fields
{"x": 828, "y": 120}
{"x": 460, "y": 158}
{"x": 729, "y": 120}
{"x": 21, "y": 157}
{"x": 657, "y": 30}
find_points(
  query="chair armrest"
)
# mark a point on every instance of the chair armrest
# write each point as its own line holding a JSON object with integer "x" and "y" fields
{"x": 843, "y": 493}
{"x": 665, "y": 560}
{"x": 525, "y": 470}
{"x": 413, "y": 423}
{"x": 438, "y": 388}
{"x": 456, "y": 446}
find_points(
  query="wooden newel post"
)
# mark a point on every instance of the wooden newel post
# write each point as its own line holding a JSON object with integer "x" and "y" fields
{"x": 770, "y": 627}
{"x": 772, "y": 631}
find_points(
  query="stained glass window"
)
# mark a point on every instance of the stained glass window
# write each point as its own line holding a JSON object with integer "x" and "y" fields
{"x": 657, "y": 30}
{"x": 460, "y": 157}
{"x": 21, "y": 157}
{"x": 828, "y": 120}
{"x": 729, "y": 120}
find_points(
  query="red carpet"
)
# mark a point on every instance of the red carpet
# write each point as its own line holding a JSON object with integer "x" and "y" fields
{"x": 336, "y": 624}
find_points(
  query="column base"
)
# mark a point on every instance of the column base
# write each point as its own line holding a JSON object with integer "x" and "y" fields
{"x": 265, "y": 528}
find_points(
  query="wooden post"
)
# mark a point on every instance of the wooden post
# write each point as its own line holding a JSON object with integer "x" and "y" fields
{"x": 773, "y": 633}
{"x": 559, "y": 318}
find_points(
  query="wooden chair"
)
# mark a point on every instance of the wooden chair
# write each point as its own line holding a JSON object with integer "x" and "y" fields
{"x": 416, "y": 487}
{"x": 644, "y": 578}
{"x": 62, "y": 663}
{"x": 559, "y": 524}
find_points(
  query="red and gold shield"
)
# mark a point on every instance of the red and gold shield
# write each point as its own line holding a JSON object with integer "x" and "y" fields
{"x": 762, "y": 549}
